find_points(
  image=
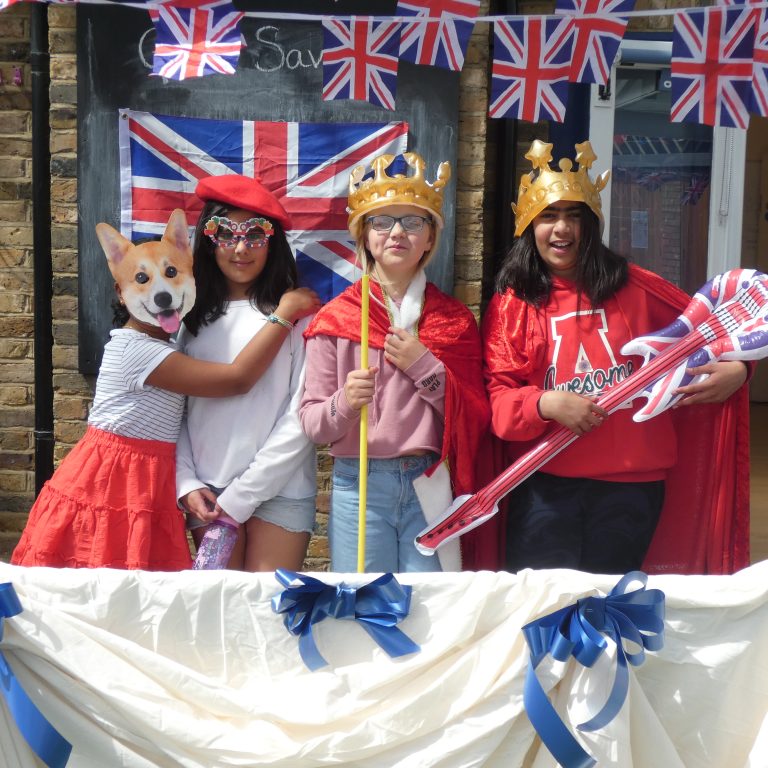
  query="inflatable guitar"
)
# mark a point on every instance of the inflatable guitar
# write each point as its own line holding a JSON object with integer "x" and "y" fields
{"x": 726, "y": 320}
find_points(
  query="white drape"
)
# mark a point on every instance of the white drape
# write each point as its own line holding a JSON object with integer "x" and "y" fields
{"x": 194, "y": 669}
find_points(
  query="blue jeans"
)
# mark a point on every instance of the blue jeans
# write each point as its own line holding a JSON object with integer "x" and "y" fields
{"x": 393, "y": 516}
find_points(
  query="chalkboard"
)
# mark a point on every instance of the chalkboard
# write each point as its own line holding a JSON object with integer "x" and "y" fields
{"x": 279, "y": 77}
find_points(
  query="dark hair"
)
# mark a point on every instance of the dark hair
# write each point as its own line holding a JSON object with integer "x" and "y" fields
{"x": 120, "y": 314}
{"x": 278, "y": 276}
{"x": 600, "y": 272}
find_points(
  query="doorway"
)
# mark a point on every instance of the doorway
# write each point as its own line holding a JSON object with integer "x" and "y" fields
{"x": 686, "y": 201}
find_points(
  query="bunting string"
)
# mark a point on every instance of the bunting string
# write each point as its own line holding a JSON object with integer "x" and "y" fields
{"x": 719, "y": 61}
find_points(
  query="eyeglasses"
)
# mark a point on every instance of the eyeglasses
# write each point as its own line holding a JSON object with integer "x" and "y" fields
{"x": 410, "y": 223}
{"x": 226, "y": 233}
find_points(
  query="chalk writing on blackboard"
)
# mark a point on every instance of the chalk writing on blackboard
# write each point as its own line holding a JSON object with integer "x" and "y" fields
{"x": 293, "y": 58}
{"x": 271, "y": 55}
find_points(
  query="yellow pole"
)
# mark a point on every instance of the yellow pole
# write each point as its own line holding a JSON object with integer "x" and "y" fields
{"x": 363, "y": 471}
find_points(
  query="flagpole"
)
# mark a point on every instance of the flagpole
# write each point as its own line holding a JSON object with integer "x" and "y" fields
{"x": 363, "y": 469}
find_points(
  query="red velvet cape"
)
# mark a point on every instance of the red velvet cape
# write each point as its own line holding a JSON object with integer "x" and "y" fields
{"x": 704, "y": 526}
{"x": 449, "y": 330}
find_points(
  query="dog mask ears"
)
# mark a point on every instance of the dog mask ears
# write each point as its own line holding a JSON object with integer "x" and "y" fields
{"x": 176, "y": 232}
{"x": 116, "y": 246}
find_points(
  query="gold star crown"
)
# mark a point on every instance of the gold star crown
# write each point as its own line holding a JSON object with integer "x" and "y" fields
{"x": 366, "y": 195}
{"x": 542, "y": 186}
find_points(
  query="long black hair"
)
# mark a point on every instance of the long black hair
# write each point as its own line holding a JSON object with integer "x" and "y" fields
{"x": 278, "y": 276}
{"x": 600, "y": 272}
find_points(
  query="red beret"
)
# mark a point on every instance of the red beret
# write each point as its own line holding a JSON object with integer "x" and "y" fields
{"x": 243, "y": 192}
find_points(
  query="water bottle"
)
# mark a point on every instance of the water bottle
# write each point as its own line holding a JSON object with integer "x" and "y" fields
{"x": 217, "y": 544}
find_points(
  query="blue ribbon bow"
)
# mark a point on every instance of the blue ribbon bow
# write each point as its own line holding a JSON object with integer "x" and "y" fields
{"x": 378, "y": 606}
{"x": 48, "y": 744}
{"x": 636, "y": 617}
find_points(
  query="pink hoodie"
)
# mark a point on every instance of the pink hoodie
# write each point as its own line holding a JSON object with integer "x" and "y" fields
{"x": 405, "y": 417}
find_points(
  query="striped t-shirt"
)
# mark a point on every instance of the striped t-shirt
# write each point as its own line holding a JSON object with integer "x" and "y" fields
{"x": 123, "y": 404}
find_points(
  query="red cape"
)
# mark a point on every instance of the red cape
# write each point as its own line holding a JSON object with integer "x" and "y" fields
{"x": 704, "y": 526}
{"x": 449, "y": 330}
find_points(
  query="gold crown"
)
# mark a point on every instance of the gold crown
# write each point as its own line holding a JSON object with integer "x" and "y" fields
{"x": 542, "y": 186}
{"x": 383, "y": 189}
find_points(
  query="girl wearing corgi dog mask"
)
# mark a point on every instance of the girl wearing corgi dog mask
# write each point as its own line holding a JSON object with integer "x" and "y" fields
{"x": 246, "y": 457}
{"x": 112, "y": 501}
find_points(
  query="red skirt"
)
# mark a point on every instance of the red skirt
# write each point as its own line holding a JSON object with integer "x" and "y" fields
{"x": 111, "y": 503}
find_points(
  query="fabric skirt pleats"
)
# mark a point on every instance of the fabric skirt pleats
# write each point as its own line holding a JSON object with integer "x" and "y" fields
{"x": 111, "y": 503}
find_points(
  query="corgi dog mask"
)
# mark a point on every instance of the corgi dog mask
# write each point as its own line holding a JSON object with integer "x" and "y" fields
{"x": 154, "y": 279}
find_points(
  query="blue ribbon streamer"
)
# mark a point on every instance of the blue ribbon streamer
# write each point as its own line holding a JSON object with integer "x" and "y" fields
{"x": 377, "y": 606}
{"x": 636, "y": 617}
{"x": 48, "y": 744}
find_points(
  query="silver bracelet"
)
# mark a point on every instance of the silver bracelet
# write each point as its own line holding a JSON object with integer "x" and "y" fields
{"x": 273, "y": 318}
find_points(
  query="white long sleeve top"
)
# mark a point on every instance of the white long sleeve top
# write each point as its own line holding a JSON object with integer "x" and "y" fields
{"x": 251, "y": 445}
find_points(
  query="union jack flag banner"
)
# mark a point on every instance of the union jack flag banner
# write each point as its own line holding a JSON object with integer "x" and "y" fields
{"x": 307, "y": 165}
{"x": 200, "y": 38}
{"x": 360, "y": 60}
{"x": 712, "y": 52}
{"x": 598, "y": 36}
{"x": 439, "y": 43}
{"x": 532, "y": 59}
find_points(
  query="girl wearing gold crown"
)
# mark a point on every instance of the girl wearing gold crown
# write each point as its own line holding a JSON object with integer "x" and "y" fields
{"x": 427, "y": 407}
{"x": 565, "y": 305}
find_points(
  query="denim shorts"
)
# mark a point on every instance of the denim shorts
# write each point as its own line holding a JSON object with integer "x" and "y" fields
{"x": 293, "y": 515}
{"x": 393, "y": 516}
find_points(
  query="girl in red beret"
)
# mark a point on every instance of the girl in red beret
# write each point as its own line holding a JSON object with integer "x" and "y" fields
{"x": 245, "y": 459}
{"x": 112, "y": 501}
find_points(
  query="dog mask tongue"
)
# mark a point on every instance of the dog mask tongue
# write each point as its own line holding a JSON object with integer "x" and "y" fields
{"x": 169, "y": 321}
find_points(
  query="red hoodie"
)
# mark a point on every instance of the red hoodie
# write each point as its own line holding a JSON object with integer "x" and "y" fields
{"x": 566, "y": 344}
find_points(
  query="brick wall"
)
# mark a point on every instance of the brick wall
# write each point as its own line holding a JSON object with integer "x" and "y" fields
{"x": 72, "y": 391}
{"x": 16, "y": 324}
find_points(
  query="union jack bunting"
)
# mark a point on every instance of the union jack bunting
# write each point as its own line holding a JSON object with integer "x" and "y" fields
{"x": 200, "y": 38}
{"x": 439, "y": 43}
{"x": 598, "y": 33}
{"x": 7, "y": 3}
{"x": 712, "y": 66}
{"x": 532, "y": 59}
{"x": 307, "y": 165}
{"x": 360, "y": 60}
{"x": 760, "y": 66}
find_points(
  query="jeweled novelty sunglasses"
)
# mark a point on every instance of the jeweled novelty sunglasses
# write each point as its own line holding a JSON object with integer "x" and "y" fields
{"x": 226, "y": 233}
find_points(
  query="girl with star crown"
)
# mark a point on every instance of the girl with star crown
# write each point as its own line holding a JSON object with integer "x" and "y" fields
{"x": 565, "y": 305}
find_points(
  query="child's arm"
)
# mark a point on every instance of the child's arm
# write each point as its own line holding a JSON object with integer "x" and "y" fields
{"x": 419, "y": 364}
{"x": 579, "y": 413}
{"x": 281, "y": 461}
{"x": 192, "y": 493}
{"x": 725, "y": 377}
{"x": 325, "y": 413}
{"x": 199, "y": 378}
